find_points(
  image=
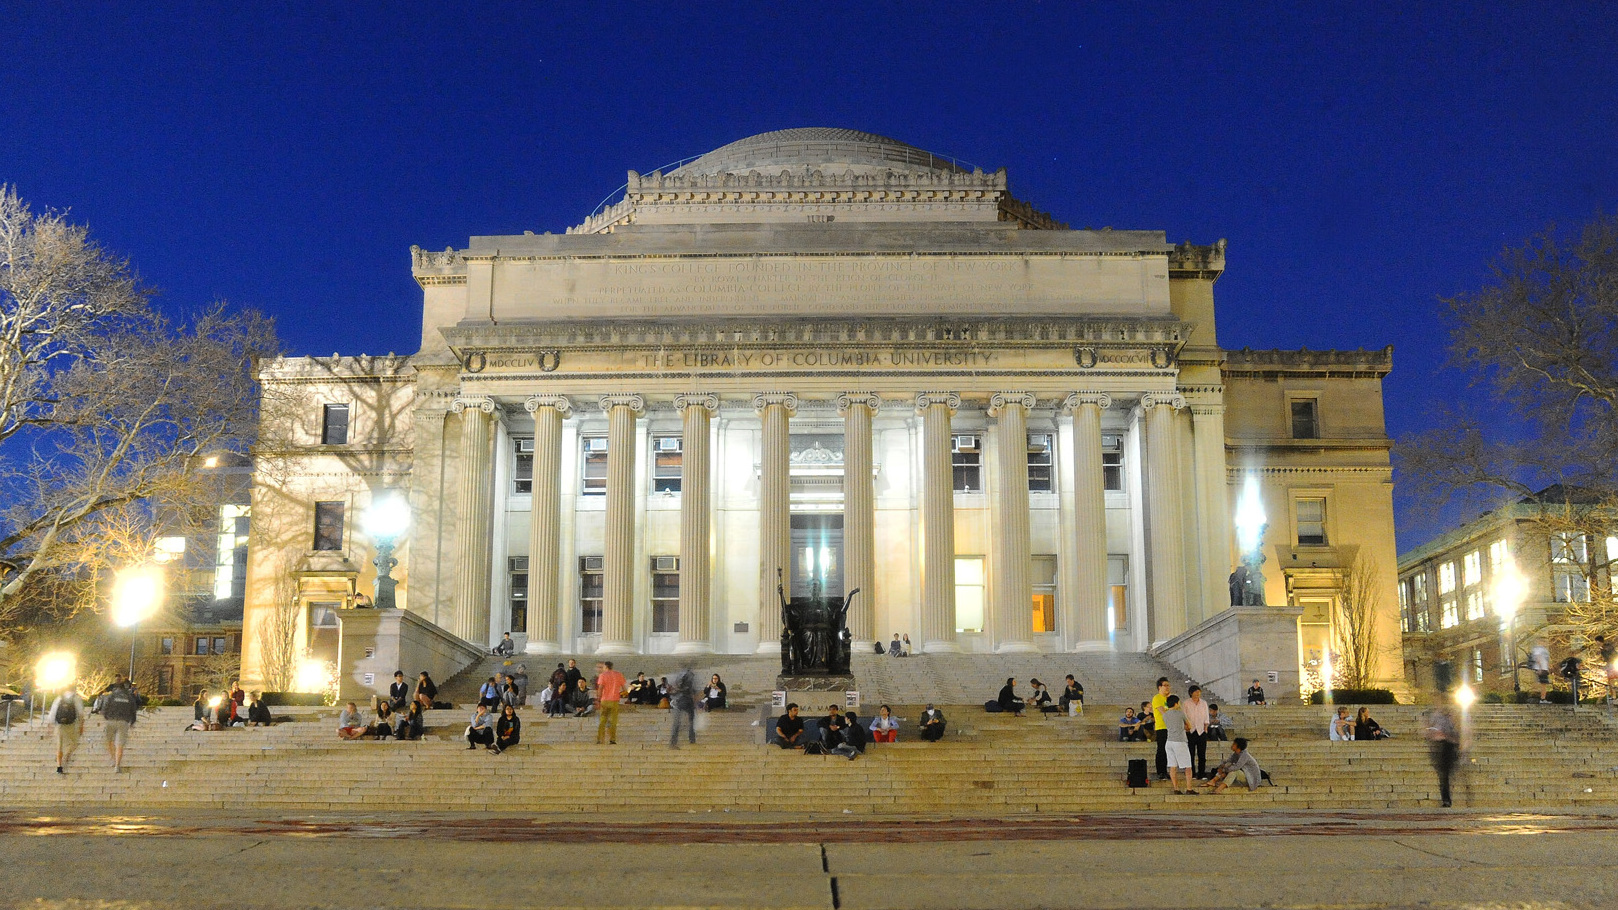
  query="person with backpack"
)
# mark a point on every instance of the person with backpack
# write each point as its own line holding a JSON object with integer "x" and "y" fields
{"x": 119, "y": 708}
{"x": 67, "y": 715}
{"x": 683, "y": 705}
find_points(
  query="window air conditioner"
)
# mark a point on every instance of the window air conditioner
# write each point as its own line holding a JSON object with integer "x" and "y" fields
{"x": 517, "y": 563}
{"x": 665, "y": 563}
{"x": 1039, "y": 444}
{"x": 596, "y": 444}
{"x": 592, "y": 563}
{"x": 525, "y": 446}
{"x": 668, "y": 444}
{"x": 963, "y": 444}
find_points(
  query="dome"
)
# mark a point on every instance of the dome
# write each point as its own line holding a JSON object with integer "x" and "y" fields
{"x": 825, "y": 149}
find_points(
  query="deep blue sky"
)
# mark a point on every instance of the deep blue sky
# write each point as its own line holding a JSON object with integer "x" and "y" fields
{"x": 1362, "y": 159}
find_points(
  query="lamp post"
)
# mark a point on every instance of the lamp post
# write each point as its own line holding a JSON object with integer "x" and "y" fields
{"x": 1510, "y": 590}
{"x": 136, "y": 593}
{"x": 385, "y": 521}
{"x": 54, "y": 671}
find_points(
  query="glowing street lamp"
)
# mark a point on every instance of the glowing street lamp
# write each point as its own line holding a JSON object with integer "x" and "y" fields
{"x": 54, "y": 672}
{"x": 1465, "y": 697}
{"x": 1247, "y": 581}
{"x": 1510, "y": 589}
{"x": 385, "y": 521}
{"x": 137, "y": 591}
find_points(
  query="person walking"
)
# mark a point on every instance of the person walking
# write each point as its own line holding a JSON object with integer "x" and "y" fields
{"x": 610, "y": 686}
{"x": 119, "y": 708}
{"x": 67, "y": 716}
{"x": 1444, "y": 739}
{"x": 683, "y": 707}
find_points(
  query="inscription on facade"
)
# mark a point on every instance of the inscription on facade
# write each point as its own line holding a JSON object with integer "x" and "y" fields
{"x": 828, "y": 358}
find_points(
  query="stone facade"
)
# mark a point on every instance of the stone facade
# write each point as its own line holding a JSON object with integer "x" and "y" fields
{"x": 831, "y": 354}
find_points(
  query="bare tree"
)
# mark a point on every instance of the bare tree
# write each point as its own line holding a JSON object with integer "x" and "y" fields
{"x": 278, "y": 633}
{"x": 105, "y": 403}
{"x": 1355, "y": 645}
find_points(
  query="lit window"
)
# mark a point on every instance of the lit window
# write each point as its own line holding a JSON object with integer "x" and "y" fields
{"x": 595, "y": 465}
{"x": 230, "y": 552}
{"x": 592, "y": 590}
{"x": 328, "y": 526}
{"x": 1472, "y": 581}
{"x": 1039, "y": 463}
{"x": 1042, "y": 572}
{"x": 1499, "y": 552}
{"x": 517, "y": 570}
{"x": 666, "y": 465}
{"x": 1406, "y": 617}
{"x": 522, "y": 467}
{"x": 1477, "y": 665}
{"x": 334, "y": 425}
{"x": 969, "y": 594}
{"x": 966, "y": 464}
{"x": 1420, "y": 605}
{"x": 1568, "y": 548}
{"x": 1112, "y": 463}
{"x": 1449, "y": 612}
{"x": 1311, "y": 522}
{"x": 169, "y": 549}
{"x": 665, "y": 594}
{"x": 1305, "y": 419}
{"x": 1446, "y": 578}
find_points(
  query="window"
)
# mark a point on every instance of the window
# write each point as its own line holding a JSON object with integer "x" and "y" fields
{"x": 666, "y": 464}
{"x": 1042, "y": 572}
{"x": 167, "y": 646}
{"x": 1499, "y": 552}
{"x": 334, "y": 425}
{"x": 1112, "y": 463}
{"x": 1477, "y": 665}
{"x": 200, "y": 646}
{"x": 328, "y": 526}
{"x": 517, "y": 569}
{"x": 1305, "y": 419}
{"x": 1420, "y": 604}
{"x": 522, "y": 468}
{"x": 968, "y": 593}
{"x": 1311, "y": 522}
{"x": 966, "y": 462}
{"x": 1406, "y": 618}
{"x": 595, "y": 465}
{"x": 1570, "y": 582}
{"x": 219, "y": 645}
{"x": 1472, "y": 582}
{"x": 1039, "y": 463}
{"x": 165, "y": 680}
{"x": 1446, "y": 595}
{"x": 592, "y": 588}
{"x": 665, "y": 593}
{"x": 230, "y": 555}
{"x": 1117, "y": 593}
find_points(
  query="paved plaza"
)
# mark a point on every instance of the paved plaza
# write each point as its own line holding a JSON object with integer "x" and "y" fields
{"x": 74, "y": 861}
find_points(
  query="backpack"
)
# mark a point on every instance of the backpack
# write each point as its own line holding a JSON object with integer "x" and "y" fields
{"x": 67, "y": 712}
{"x": 120, "y": 705}
{"x": 813, "y": 748}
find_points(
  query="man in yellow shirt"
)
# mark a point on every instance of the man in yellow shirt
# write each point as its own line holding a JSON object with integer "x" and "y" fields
{"x": 1158, "y": 702}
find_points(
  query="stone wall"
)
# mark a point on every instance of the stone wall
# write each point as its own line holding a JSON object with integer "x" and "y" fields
{"x": 378, "y": 642}
{"x": 1226, "y": 652}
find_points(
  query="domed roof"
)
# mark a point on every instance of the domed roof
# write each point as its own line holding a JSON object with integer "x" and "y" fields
{"x": 824, "y": 149}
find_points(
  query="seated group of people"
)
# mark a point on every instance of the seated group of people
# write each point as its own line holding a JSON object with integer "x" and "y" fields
{"x": 843, "y": 733}
{"x": 1139, "y": 727}
{"x": 567, "y": 692}
{"x": 494, "y": 732}
{"x": 395, "y": 719}
{"x": 500, "y": 689}
{"x": 1362, "y": 727}
{"x": 1008, "y": 701}
{"x": 236, "y": 709}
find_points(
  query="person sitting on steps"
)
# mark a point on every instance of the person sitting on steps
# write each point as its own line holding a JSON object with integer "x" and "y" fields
{"x": 426, "y": 691}
{"x": 1341, "y": 729}
{"x": 507, "y": 647}
{"x": 789, "y": 729}
{"x": 1072, "y": 691}
{"x": 1366, "y": 728}
{"x": 1129, "y": 727}
{"x": 350, "y": 725}
{"x": 894, "y": 647}
{"x": 507, "y": 730}
{"x": 854, "y": 737}
{"x": 885, "y": 728}
{"x": 713, "y": 697}
{"x": 932, "y": 724}
{"x": 411, "y": 724}
{"x": 1240, "y": 760}
{"x": 1255, "y": 694}
{"x": 831, "y": 728}
{"x": 480, "y": 732}
{"x": 1008, "y": 700}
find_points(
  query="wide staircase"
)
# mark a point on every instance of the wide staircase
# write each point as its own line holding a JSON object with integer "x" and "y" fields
{"x": 990, "y": 765}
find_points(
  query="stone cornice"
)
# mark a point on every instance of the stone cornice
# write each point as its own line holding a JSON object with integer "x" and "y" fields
{"x": 310, "y": 368}
{"x": 1188, "y": 260}
{"x": 1369, "y": 364}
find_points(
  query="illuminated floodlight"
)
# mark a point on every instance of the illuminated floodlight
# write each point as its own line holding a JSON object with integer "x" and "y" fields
{"x": 1250, "y": 518}
{"x": 214, "y": 702}
{"x": 56, "y": 670}
{"x": 1510, "y": 589}
{"x": 136, "y": 593}
{"x": 388, "y": 516}
{"x": 312, "y": 676}
{"x": 1465, "y": 697}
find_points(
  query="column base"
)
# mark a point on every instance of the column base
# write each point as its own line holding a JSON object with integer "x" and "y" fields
{"x": 1092, "y": 647}
{"x": 542, "y": 647}
{"x": 693, "y": 647}
{"x": 1016, "y": 647}
{"x": 768, "y": 647}
{"x": 941, "y": 647}
{"x": 616, "y": 649}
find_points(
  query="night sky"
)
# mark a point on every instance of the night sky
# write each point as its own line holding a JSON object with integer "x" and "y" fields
{"x": 1362, "y": 159}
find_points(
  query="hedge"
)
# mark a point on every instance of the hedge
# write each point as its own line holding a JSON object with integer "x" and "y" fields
{"x": 1355, "y": 697}
{"x": 293, "y": 700}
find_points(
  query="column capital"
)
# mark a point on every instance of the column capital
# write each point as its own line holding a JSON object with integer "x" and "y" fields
{"x": 847, "y": 400}
{"x": 708, "y": 401}
{"x": 634, "y": 402}
{"x": 1162, "y": 399}
{"x": 786, "y": 399}
{"x": 478, "y": 402}
{"x": 925, "y": 400}
{"x": 558, "y": 402}
{"x": 999, "y": 401}
{"x": 1079, "y": 399}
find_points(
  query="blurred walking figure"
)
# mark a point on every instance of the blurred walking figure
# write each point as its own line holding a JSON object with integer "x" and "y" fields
{"x": 1444, "y": 735}
{"x": 683, "y": 707}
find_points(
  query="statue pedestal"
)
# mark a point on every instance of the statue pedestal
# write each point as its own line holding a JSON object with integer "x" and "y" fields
{"x": 1230, "y": 649}
{"x": 815, "y": 683}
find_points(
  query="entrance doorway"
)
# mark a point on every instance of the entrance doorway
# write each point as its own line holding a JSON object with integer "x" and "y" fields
{"x": 817, "y": 554}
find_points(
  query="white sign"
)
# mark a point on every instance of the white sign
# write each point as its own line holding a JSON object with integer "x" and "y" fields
{"x": 851, "y": 698}
{"x": 778, "y": 699}
{"x": 1274, "y": 676}
{"x": 370, "y": 679}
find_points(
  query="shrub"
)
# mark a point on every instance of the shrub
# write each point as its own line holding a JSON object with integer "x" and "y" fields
{"x": 1355, "y": 697}
{"x": 293, "y": 699}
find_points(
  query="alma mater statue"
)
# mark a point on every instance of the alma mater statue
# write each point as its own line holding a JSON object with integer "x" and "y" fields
{"x": 814, "y": 632}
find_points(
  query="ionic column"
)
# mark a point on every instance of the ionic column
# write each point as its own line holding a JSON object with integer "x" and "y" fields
{"x": 937, "y": 522}
{"x": 471, "y": 619}
{"x": 545, "y": 524}
{"x": 1163, "y": 515}
{"x": 1213, "y": 508}
{"x": 617, "y": 606}
{"x": 696, "y": 574}
{"x": 859, "y": 511}
{"x": 1089, "y": 515}
{"x": 1012, "y": 602}
{"x": 774, "y": 512}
